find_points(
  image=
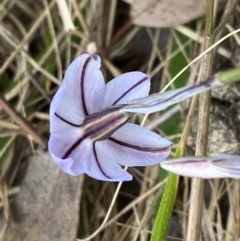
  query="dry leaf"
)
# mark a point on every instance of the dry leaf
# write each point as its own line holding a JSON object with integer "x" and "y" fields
{"x": 47, "y": 206}
{"x": 166, "y": 13}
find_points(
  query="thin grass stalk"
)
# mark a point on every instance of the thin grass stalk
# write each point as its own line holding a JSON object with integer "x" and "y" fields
{"x": 197, "y": 187}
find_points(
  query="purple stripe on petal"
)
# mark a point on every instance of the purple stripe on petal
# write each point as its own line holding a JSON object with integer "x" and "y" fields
{"x": 82, "y": 85}
{"x": 130, "y": 89}
{"x": 207, "y": 83}
{"x": 139, "y": 148}
{"x": 68, "y": 122}
{"x": 96, "y": 158}
{"x": 71, "y": 149}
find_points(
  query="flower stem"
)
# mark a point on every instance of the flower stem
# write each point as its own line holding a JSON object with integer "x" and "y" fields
{"x": 229, "y": 76}
{"x": 160, "y": 229}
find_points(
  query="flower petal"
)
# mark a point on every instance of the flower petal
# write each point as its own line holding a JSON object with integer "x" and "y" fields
{"x": 59, "y": 143}
{"x": 92, "y": 83}
{"x": 84, "y": 157}
{"x": 161, "y": 101}
{"x": 126, "y": 87}
{"x": 133, "y": 145}
{"x": 80, "y": 94}
{"x": 100, "y": 167}
{"x": 215, "y": 166}
{"x": 60, "y": 118}
{"x": 227, "y": 163}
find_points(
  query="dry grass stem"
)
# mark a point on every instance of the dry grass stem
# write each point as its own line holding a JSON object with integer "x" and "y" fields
{"x": 65, "y": 15}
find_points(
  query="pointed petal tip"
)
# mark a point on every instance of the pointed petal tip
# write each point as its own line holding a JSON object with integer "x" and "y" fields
{"x": 96, "y": 57}
{"x": 121, "y": 176}
{"x": 125, "y": 178}
{"x": 79, "y": 61}
{"x": 122, "y": 179}
{"x": 64, "y": 164}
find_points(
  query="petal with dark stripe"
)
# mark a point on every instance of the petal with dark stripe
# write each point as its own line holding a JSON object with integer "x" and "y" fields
{"x": 84, "y": 157}
{"x": 133, "y": 145}
{"x": 101, "y": 168}
{"x": 215, "y": 166}
{"x": 92, "y": 83}
{"x": 228, "y": 163}
{"x": 126, "y": 87}
{"x": 59, "y": 143}
{"x": 160, "y": 101}
{"x": 62, "y": 117}
{"x": 81, "y": 93}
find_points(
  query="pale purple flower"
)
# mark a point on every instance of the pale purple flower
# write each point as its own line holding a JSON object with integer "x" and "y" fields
{"x": 221, "y": 165}
{"x": 89, "y": 131}
{"x": 89, "y": 121}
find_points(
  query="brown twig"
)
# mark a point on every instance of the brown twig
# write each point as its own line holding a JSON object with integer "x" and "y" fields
{"x": 27, "y": 127}
{"x": 38, "y": 87}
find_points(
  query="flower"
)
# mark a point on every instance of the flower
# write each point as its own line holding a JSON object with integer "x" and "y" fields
{"x": 89, "y": 131}
{"x": 221, "y": 165}
{"x": 89, "y": 121}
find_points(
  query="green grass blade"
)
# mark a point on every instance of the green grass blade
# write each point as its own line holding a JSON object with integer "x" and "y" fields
{"x": 160, "y": 229}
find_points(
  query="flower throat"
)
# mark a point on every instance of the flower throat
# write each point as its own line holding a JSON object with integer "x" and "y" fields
{"x": 101, "y": 125}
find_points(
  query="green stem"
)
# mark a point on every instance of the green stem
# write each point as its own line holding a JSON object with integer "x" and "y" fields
{"x": 164, "y": 214}
{"x": 229, "y": 76}
{"x": 161, "y": 225}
